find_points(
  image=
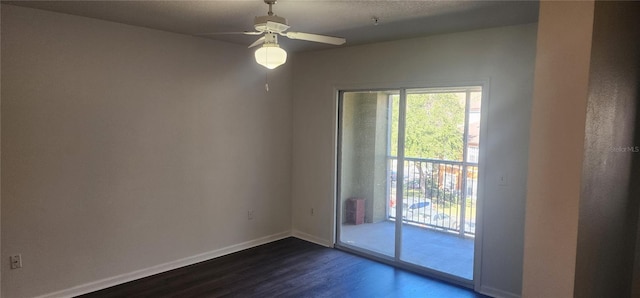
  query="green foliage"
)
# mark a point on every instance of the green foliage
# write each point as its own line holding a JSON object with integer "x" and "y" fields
{"x": 434, "y": 126}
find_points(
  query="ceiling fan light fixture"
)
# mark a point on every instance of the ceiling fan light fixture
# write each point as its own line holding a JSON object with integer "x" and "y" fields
{"x": 270, "y": 55}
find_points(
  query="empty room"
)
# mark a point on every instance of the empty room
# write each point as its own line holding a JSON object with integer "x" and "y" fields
{"x": 319, "y": 149}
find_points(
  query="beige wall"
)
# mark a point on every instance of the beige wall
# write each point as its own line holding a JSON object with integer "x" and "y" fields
{"x": 556, "y": 148}
{"x": 504, "y": 57}
{"x": 124, "y": 148}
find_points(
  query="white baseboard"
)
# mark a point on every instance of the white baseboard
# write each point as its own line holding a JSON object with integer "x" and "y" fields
{"x": 127, "y": 277}
{"x": 311, "y": 238}
{"x": 493, "y": 292}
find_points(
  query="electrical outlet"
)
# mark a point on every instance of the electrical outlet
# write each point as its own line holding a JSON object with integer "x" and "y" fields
{"x": 16, "y": 261}
{"x": 502, "y": 179}
{"x": 250, "y": 214}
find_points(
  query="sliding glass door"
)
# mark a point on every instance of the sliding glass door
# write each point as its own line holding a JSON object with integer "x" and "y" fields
{"x": 408, "y": 177}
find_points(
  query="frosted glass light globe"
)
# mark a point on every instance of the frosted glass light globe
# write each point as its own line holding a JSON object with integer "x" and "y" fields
{"x": 271, "y": 56}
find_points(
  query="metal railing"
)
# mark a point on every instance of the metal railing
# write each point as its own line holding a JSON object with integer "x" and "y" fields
{"x": 437, "y": 194}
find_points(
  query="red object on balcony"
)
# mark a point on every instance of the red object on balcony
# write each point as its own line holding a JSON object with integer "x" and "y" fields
{"x": 355, "y": 211}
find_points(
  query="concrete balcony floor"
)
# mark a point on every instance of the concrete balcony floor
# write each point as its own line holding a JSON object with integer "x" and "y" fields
{"x": 427, "y": 247}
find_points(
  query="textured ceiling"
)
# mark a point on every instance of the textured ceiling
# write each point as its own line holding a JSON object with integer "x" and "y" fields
{"x": 349, "y": 19}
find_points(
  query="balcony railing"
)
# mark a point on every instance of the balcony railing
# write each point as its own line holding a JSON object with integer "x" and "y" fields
{"x": 437, "y": 194}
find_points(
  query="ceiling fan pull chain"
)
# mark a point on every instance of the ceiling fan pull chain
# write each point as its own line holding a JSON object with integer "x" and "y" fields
{"x": 266, "y": 80}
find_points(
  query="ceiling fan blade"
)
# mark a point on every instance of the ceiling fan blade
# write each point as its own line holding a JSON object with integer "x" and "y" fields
{"x": 230, "y": 33}
{"x": 257, "y": 42}
{"x": 315, "y": 38}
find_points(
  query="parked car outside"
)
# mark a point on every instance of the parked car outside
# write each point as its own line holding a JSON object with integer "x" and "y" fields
{"x": 412, "y": 184}
{"x": 470, "y": 227}
{"x": 444, "y": 221}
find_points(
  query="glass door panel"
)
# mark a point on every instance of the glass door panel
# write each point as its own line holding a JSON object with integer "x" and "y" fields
{"x": 366, "y": 174}
{"x": 434, "y": 230}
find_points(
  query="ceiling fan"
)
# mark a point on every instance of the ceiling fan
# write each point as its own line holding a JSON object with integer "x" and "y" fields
{"x": 270, "y": 55}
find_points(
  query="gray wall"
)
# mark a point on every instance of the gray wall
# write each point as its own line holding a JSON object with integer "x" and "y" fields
{"x": 503, "y": 56}
{"x": 608, "y": 210}
{"x": 124, "y": 148}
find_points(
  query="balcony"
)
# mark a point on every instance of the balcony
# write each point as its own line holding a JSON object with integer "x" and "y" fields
{"x": 427, "y": 247}
{"x": 437, "y": 194}
{"x": 438, "y": 216}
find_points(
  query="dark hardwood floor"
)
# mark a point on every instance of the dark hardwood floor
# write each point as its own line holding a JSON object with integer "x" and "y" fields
{"x": 286, "y": 268}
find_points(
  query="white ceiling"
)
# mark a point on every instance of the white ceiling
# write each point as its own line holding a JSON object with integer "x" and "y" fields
{"x": 349, "y": 19}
